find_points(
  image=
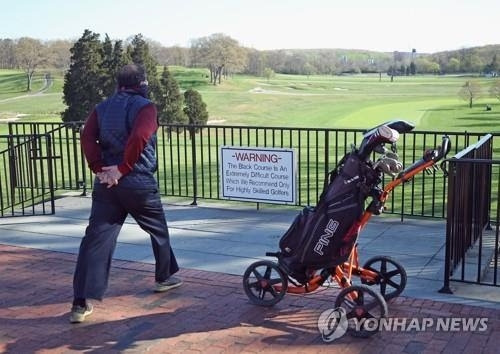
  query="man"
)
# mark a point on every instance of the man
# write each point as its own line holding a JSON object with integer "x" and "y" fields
{"x": 118, "y": 141}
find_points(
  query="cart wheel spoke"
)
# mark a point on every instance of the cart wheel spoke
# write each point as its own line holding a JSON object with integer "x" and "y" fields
{"x": 391, "y": 273}
{"x": 383, "y": 288}
{"x": 257, "y": 274}
{"x": 393, "y": 284}
{"x": 273, "y": 292}
{"x": 383, "y": 267}
{"x": 253, "y": 284}
{"x": 267, "y": 274}
{"x": 275, "y": 281}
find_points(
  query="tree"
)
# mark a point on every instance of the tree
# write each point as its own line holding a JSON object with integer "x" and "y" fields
{"x": 29, "y": 54}
{"x": 175, "y": 55}
{"x": 492, "y": 67}
{"x": 470, "y": 60}
{"x": 309, "y": 69}
{"x": 269, "y": 73}
{"x": 470, "y": 91}
{"x": 139, "y": 53}
{"x": 495, "y": 89}
{"x": 7, "y": 54}
{"x": 82, "y": 80}
{"x": 427, "y": 65}
{"x": 256, "y": 62}
{"x": 219, "y": 53}
{"x": 113, "y": 58}
{"x": 170, "y": 104}
{"x": 195, "y": 108}
{"x": 58, "y": 54}
{"x": 434, "y": 67}
{"x": 453, "y": 65}
{"x": 294, "y": 63}
{"x": 107, "y": 78}
{"x": 477, "y": 64}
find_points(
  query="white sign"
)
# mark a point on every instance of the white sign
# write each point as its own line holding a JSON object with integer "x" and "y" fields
{"x": 258, "y": 174}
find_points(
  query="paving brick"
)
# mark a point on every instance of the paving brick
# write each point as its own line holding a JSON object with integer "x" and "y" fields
{"x": 209, "y": 314}
{"x": 435, "y": 346}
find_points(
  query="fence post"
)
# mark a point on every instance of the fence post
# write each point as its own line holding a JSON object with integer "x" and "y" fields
{"x": 50, "y": 173}
{"x": 489, "y": 155}
{"x": 81, "y": 183}
{"x": 327, "y": 158}
{"x": 192, "y": 130}
{"x": 12, "y": 170}
{"x": 449, "y": 217}
{"x": 75, "y": 155}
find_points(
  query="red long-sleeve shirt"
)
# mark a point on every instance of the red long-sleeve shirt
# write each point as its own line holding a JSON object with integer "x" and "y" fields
{"x": 145, "y": 125}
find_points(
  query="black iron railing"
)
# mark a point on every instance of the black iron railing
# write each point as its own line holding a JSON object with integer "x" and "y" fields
{"x": 70, "y": 168}
{"x": 26, "y": 177}
{"x": 471, "y": 253}
{"x": 189, "y": 166}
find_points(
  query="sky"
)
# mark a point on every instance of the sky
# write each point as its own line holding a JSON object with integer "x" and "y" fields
{"x": 383, "y": 25}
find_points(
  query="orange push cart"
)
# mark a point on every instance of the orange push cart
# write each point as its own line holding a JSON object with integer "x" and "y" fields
{"x": 382, "y": 278}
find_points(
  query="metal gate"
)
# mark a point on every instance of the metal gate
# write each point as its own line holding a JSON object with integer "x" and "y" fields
{"x": 26, "y": 175}
{"x": 473, "y": 215}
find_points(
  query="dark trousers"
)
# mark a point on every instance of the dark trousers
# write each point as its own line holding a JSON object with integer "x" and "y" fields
{"x": 110, "y": 208}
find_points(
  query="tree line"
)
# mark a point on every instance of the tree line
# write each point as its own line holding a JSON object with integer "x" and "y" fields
{"x": 93, "y": 66}
{"x": 90, "y": 66}
{"x": 223, "y": 56}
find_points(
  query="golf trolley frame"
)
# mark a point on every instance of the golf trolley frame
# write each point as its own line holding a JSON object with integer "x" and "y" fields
{"x": 266, "y": 283}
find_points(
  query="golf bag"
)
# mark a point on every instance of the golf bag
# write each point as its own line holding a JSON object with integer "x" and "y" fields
{"x": 323, "y": 236}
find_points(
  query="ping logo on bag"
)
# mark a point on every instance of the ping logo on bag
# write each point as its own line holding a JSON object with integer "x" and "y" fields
{"x": 350, "y": 180}
{"x": 324, "y": 239}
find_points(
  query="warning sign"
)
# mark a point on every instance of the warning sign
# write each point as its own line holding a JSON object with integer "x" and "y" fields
{"x": 258, "y": 174}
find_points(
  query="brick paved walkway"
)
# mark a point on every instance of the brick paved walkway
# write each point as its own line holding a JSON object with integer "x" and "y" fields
{"x": 209, "y": 314}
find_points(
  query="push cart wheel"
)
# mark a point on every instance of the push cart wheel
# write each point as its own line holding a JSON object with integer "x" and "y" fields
{"x": 391, "y": 276}
{"x": 265, "y": 283}
{"x": 363, "y": 308}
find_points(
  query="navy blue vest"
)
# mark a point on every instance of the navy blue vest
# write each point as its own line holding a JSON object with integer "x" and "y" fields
{"x": 116, "y": 117}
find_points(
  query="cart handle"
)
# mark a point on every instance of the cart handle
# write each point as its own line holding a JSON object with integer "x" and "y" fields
{"x": 431, "y": 157}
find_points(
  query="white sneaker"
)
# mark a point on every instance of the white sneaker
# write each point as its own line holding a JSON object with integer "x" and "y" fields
{"x": 78, "y": 313}
{"x": 168, "y": 284}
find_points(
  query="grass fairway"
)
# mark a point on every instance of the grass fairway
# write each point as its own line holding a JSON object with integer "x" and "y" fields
{"x": 359, "y": 101}
{"x": 43, "y": 103}
{"x": 351, "y": 101}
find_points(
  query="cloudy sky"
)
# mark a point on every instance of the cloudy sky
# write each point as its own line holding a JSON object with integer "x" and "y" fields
{"x": 383, "y": 25}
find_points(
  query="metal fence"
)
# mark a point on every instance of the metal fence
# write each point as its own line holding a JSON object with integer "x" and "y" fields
{"x": 69, "y": 166}
{"x": 26, "y": 177}
{"x": 189, "y": 166}
{"x": 471, "y": 253}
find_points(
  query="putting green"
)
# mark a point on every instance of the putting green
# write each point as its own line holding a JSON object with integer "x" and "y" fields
{"x": 414, "y": 111}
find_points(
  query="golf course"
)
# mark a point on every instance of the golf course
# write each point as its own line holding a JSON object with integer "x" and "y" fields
{"x": 316, "y": 101}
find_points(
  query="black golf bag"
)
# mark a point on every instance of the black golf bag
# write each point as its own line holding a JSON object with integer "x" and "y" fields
{"x": 323, "y": 236}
